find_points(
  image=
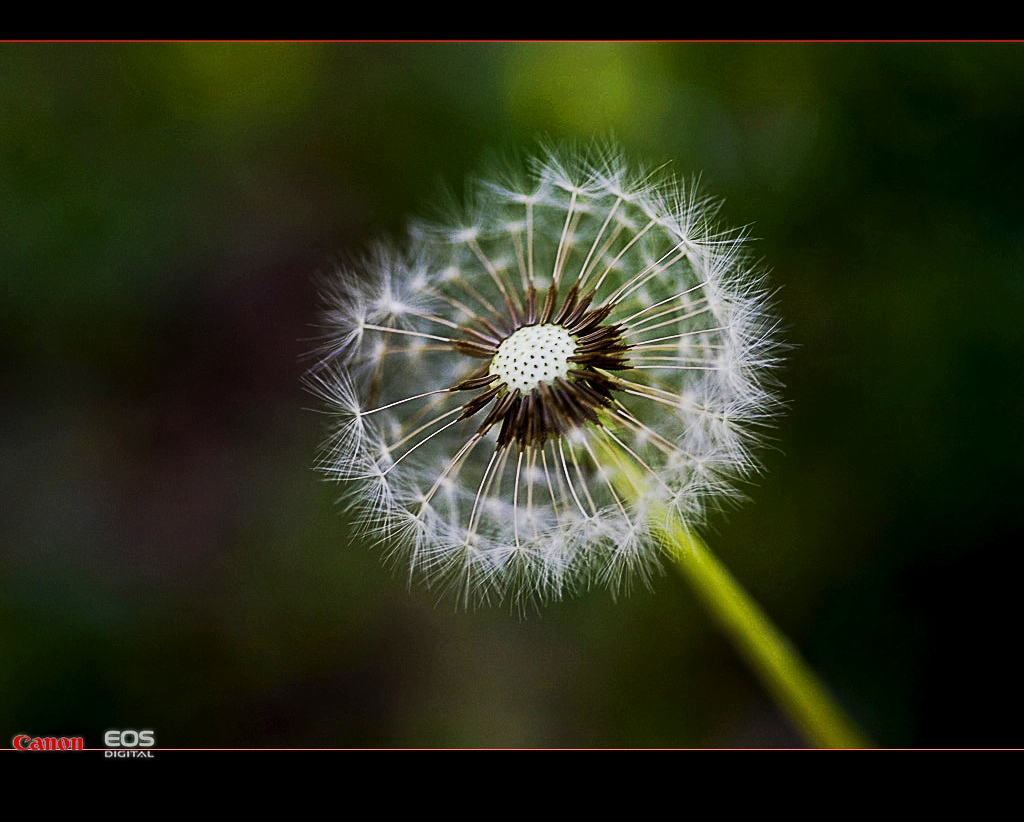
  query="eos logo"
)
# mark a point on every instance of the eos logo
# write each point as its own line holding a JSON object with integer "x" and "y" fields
{"x": 129, "y": 739}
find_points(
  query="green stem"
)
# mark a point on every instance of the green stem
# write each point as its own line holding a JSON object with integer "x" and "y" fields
{"x": 782, "y": 670}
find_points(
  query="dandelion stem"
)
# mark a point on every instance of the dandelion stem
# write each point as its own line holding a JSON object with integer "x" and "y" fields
{"x": 678, "y": 296}
{"x": 780, "y": 667}
{"x": 560, "y": 255}
{"x": 582, "y": 276}
{"x": 389, "y": 330}
{"x": 625, "y": 248}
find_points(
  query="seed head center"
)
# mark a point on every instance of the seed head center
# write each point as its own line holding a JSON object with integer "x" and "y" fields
{"x": 533, "y": 354}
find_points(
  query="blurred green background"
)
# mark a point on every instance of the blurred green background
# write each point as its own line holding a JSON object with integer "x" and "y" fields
{"x": 171, "y": 561}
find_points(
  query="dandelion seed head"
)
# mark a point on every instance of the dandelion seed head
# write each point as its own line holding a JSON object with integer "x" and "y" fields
{"x": 522, "y": 390}
{"x": 531, "y": 355}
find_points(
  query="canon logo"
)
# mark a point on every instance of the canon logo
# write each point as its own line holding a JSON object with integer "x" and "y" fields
{"x": 24, "y": 742}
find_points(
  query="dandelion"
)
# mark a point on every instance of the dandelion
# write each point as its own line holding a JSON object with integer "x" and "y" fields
{"x": 525, "y": 386}
{"x": 549, "y": 389}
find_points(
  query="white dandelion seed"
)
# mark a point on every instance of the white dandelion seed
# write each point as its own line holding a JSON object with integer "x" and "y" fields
{"x": 521, "y": 392}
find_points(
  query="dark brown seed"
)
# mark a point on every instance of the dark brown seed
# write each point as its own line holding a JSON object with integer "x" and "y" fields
{"x": 548, "y": 411}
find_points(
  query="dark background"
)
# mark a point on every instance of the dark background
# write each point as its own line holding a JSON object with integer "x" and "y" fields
{"x": 171, "y": 561}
